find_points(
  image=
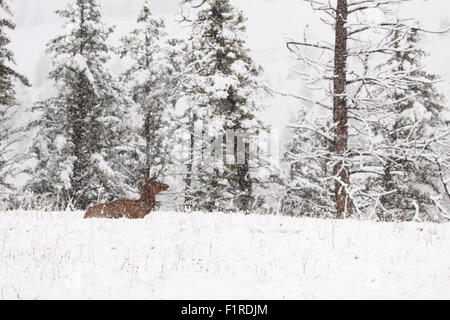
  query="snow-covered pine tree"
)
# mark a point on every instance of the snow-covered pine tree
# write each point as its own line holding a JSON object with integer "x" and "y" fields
{"x": 348, "y": 70}
{"x": 308, "y": 156}
{"x": 9, "y": 133}
{"x": 330, "y": 72}
{"x": 85, "y": 149}
{"x": 222, "y": 91}
{"x": 413, "y": 149}
{"x": 153, "y": 80}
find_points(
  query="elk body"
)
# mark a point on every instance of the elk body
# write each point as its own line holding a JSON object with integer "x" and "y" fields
{"x": 127, "y": 208}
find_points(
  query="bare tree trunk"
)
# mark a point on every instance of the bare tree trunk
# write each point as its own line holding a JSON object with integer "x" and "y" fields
{"x": 341, "y": 172}
{"x": 244, "y": 182}
{"x": 190, "y": 164}
{"x": 148, "y": 146}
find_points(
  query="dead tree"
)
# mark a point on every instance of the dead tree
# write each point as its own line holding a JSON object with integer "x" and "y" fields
{"x": 342, "y": 71}
{"x": 340, "y": 113}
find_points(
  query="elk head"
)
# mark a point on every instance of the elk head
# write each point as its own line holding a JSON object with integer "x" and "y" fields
{"x": 154, "y": 186}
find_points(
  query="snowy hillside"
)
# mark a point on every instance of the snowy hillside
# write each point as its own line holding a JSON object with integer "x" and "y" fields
{"x": 210, "y": 256}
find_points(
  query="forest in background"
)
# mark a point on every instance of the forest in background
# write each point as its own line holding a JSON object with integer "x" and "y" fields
{"x": 379, "y": 149}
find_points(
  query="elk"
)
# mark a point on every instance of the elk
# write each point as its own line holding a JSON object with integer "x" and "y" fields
{"x": 127, "y": 208}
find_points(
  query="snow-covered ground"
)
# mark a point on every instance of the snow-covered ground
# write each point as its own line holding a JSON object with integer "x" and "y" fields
{"x": 212, "y": 256}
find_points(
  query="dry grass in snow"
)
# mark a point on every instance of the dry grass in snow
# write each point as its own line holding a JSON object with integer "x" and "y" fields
{"x": 218, "y": 256}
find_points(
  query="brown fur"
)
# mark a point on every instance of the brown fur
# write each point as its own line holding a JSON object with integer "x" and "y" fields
{"x": 126, "y": 208}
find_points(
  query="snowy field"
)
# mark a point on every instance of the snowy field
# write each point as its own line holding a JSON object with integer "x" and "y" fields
{"x": 213, "y": 256}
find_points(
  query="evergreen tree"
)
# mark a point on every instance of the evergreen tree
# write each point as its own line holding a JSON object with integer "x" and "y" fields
{"x": 222, "y": 91}
{"x": 9, "y": 134}
{"x": 153, "y": 79}
{"x": 413, "y": 135}
{"x": 85, "y": 149}
{"x": 308, "y": 157}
